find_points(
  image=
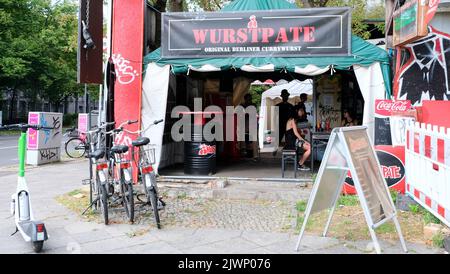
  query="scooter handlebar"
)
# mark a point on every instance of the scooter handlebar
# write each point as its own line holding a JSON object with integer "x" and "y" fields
{"x": 24, "y": 127}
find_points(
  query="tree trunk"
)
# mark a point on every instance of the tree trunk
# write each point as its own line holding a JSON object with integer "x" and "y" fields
{"x": 161, "y": 6}
{"x": 12, "y": 106}
{"x": 176, "y": 5}
{"x": 76, "y": 103}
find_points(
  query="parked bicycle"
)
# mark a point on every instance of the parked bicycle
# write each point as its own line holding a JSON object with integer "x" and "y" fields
{"x": 78, "y": 145}
{"x": 120, "y": 185}
{"x": 100, "y": 186}
{"x": 144, "y": 162}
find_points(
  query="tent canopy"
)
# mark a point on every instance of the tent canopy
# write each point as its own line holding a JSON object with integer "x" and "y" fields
{"x": 362, "y": 54}
{"x": 294, "y": 87}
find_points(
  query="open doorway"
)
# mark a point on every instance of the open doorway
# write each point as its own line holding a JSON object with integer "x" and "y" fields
{"x": 228, "y": 88}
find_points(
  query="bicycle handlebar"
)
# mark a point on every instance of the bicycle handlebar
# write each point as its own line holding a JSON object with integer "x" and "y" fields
{"x": 143, "y": 130}
{"x": 120, "y": 127}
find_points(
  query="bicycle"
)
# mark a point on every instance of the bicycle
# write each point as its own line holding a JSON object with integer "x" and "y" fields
{"x": 119, "y": 169}
{"x": 145, "y": 161}
{"x": 29, "y": 228}
{"x": 101, "y": 179}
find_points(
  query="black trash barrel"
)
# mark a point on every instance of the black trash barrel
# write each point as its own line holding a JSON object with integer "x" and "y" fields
{"x": 199, "y": 156}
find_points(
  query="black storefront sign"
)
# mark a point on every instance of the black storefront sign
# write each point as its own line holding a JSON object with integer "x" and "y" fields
{"x": 286, "y": 33}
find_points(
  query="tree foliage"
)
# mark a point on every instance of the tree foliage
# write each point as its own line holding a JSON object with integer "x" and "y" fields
{"x": 38, "y": 42}
{"x": 360, "y": 11}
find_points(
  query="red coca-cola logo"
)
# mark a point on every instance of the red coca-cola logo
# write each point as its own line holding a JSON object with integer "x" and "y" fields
{"x": 206, "y": 149}
{"x": 386, "y": 107}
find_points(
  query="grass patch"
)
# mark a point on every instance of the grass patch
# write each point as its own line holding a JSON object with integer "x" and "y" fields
{"x": 414, "y": 208}
{"x": 348, "y": 200}
{"x": 349, "y": 223}
{"x": 75, "y": 192}
{"x": 301, "y": 206}
{"x": 428, "y": 217}
{"x": 438, "y": 240}
{"x": 77, "y": 205}
{"x": 9, "y": 132}
{"x": 386, "y": 228}
{"x": 394, "y": 194}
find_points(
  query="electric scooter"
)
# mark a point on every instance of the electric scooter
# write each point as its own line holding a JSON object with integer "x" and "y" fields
{"x": 31, "y": 230}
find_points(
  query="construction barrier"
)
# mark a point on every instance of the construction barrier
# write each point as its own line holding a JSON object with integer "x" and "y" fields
{"x": 427, "y": 162}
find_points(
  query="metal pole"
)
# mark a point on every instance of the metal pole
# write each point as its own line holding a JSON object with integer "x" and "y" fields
{"x": 86, "y": 109}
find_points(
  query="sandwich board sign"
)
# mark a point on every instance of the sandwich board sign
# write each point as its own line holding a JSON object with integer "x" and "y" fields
{"x": 350, "y": 149}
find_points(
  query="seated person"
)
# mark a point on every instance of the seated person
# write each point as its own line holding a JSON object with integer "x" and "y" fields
{"x": 348, "y": 119}
{"x": 295, "y": 141}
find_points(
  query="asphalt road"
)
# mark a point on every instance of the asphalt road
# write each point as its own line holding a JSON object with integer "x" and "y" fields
{"x": 8, "y": 150}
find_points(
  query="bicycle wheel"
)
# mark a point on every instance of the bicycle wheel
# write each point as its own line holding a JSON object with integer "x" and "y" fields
{"x": 128, "y": 199}
{"x": 154, "y": 203}
{"x": 75, "y": 148}
{"x": 103, "y": 199}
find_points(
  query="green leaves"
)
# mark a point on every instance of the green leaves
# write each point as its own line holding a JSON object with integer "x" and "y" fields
{"x": 38, "y": 42}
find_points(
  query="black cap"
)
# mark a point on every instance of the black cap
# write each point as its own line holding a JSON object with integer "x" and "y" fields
{"x": 284, "y": 92}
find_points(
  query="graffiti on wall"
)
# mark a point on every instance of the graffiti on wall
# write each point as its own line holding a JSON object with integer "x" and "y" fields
{"x": 423, "y": 70}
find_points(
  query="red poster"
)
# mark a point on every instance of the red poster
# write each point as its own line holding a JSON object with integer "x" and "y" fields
{"x": 127, "y": 48}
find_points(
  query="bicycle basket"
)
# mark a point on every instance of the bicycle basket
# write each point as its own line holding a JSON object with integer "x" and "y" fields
{"x": 147, "y": 155}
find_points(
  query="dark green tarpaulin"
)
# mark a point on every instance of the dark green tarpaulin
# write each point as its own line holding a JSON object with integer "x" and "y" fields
{"x": 363, "y": 53}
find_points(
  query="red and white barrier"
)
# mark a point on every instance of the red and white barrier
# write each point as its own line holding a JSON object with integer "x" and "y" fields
{"x": 427, "y": 164}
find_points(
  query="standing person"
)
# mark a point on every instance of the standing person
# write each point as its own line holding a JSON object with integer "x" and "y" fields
{"x": 303, "y": 99}
{"x": 348, "y": 120}
{"x": 301, "y": 104}
{"x": 301, "y": 114}
{"x": 294, "y": 140}
{"x": 284, "y": 110}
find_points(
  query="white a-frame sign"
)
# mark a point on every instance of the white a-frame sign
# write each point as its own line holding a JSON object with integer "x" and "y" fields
{"x": 349, "y": 148}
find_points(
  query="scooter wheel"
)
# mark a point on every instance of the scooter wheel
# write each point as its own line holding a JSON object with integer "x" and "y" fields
{"x": 37, "y": 246}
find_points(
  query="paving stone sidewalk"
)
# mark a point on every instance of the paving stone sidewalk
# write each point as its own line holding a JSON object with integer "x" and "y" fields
{"x": 191, "y": 234}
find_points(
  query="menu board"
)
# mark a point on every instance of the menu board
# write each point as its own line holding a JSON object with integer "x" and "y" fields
{"x": 368, "y": 173}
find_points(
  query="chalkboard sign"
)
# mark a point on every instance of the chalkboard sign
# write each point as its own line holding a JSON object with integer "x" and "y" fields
{"x": 382, "y": 131}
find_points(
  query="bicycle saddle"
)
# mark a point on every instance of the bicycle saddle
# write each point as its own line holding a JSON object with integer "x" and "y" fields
{"x": 141, "y": 141}
{"x": 119, "y": 149}
{"x": 98, "y": 154}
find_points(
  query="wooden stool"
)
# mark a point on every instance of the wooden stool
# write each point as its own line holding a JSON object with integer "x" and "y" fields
{"x": 286, "y": 156}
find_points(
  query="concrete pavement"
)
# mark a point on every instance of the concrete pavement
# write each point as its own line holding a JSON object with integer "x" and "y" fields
{"x": 71, "y": 234}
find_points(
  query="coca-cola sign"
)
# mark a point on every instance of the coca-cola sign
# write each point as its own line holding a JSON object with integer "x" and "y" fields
{"x": 386, "y": 107}
{"x": 205, "y": 149}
